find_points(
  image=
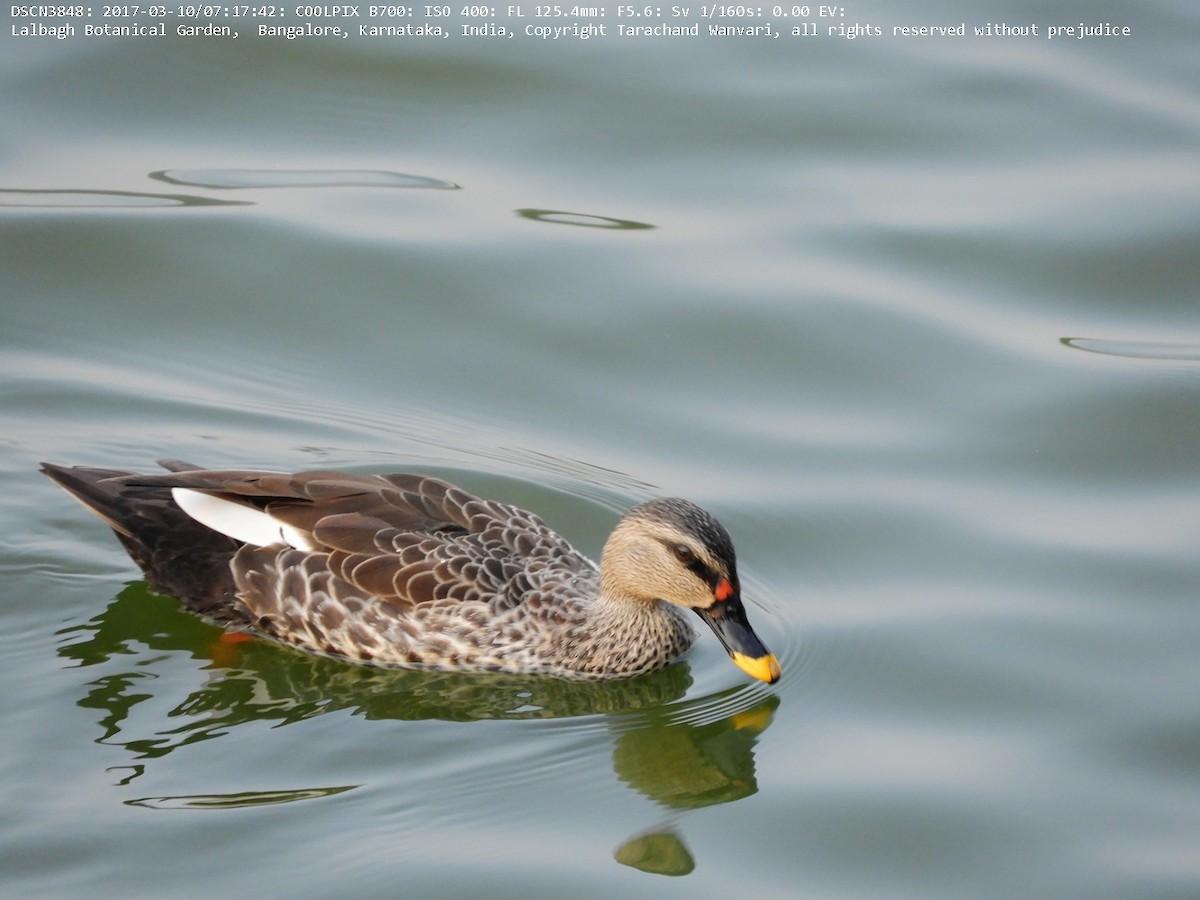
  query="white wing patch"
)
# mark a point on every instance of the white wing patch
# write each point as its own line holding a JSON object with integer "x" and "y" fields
{"x": 242, "y": 523}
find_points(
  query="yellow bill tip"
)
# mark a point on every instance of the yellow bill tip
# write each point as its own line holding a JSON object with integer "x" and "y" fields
{"x": 764, "y": 668}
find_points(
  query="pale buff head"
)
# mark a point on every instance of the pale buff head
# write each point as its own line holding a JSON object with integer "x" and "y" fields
{"x": 668, "y": 549}
{"x": 673, "y": 550}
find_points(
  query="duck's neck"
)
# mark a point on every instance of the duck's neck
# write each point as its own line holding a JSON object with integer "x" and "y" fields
{"x": 634, "y": 634}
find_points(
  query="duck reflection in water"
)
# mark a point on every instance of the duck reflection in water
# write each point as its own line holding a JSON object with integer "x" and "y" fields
{"x": 682, "y": 767}
{"x": 657, "y": 750}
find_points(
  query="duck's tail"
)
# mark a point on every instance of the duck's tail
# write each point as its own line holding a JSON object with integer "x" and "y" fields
{"x": 179, "y": 556}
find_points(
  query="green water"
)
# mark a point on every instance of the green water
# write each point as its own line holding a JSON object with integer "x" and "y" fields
{"x": 917, "y": 319}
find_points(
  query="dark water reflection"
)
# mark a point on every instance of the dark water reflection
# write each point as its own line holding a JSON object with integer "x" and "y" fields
{"x": 580, "y": 219}
{"x": 298, "y": 178}
{"x": 240, "y": 800}
{"x": 85, "y": 198}
{"x": 261, "y": 681}
{"x": 678, "y": 765}
{"x": 686, "y": 767}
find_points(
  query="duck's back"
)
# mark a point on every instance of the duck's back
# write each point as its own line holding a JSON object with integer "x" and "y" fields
{"x": 397, "y": 569}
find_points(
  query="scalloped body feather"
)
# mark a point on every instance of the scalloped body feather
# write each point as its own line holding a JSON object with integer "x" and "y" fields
{"x": 409, "y": 570}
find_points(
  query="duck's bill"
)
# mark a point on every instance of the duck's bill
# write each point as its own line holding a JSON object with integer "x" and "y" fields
{"x": 728, "y": 621}
{"x": 764, "y": 668}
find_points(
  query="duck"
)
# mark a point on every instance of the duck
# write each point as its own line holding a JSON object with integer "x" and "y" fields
{"x": 407, "y": 570}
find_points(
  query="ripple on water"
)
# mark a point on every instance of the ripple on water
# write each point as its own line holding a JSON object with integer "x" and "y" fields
{"x": 78, "y": 198}
{"x": 240, "y": 800}
{"x": 583, "y": 220}
{"x": 1137, "y": 349}
{"x": 302, "y": 178}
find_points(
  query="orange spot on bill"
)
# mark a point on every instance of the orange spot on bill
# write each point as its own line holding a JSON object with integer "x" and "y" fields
{"x": 724, "y": 589}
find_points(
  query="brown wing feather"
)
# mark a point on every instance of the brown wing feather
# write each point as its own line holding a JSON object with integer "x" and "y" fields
{"x": 406, "y": 569}
{"x": 405, "y": 539}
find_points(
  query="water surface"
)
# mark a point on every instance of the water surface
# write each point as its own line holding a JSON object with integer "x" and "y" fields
{"x": 917, "y": 320}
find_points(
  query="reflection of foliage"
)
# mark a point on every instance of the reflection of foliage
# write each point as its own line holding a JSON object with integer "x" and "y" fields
{"x": 137, "y": 615}
{"x": 683, "y": 754}
{"x": 684, "y": 766}
{"x": 657, "y": 852}
{"x": 257, "y": 680}
{"x": 240, "y": 800}
{"x": 689, "y": 766}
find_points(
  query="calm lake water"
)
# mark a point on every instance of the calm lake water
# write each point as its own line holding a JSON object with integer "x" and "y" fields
{"x": 916, "y": 318}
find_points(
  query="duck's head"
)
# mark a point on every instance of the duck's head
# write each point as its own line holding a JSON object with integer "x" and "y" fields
{"x": 671, "y": 549}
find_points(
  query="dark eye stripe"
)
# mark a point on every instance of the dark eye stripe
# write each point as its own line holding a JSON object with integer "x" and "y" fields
{"x": 705, "y": 574}
{"x": 697, "y": 566}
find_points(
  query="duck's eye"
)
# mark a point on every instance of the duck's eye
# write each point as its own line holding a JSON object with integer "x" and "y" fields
{"x": 684, "y": 554}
